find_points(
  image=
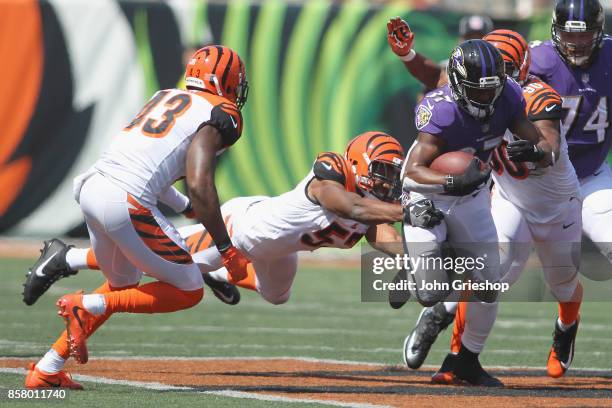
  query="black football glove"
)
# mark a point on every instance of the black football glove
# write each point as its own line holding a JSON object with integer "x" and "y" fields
{"x": 423, "y": 214}
{"x": 524, "y": 151}
{"x": 469, "y": 181}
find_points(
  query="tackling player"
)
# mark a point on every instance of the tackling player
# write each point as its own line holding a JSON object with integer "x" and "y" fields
{"x": 471, "y": 113}
{"x": 178, "y": 133}
{"x": 342, "y": 199}
{"x": 541, "y": 206}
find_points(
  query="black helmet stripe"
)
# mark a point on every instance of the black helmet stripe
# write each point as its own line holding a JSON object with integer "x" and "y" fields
{"x": 373, "y": 152}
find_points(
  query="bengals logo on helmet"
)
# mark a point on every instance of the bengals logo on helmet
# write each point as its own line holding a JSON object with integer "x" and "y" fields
{"x": 376, "y": 159}
{"x": 218, "y": 70}
{"x": 514, "y": 51}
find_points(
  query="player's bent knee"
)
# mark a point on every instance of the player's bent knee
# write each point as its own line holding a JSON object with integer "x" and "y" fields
{"x": 190, "y": 298}
{"x": 276, "y": 299}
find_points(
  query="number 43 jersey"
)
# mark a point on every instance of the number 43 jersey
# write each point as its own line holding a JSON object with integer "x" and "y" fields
{"x": 586, "y": 93}
{"x": 149, "y": 154}
{"x": 293, "y": 222}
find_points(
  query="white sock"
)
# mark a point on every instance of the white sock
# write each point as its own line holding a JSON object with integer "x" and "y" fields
{"x": 94, "y": 304}
{"x": 451, "y": 307}
{"x": 565, "y": 327}
{"x": 219, "y": 275}
{"x": 51, "y": 362}
{"x": 479, "y": 319}
{"x": 76, "y": 258}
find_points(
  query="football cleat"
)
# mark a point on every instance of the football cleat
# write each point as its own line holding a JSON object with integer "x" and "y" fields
{"x": 36, "y": 378}
{"x": 78, "y": 324}
{"x": 225, "y": 292}
{"x": 50, "y": 266}
{"x": 445, "y": 374}
{"x": 467, "y": 368}
{"x": 431, "y": 322}
{"x": 562, "y": 351}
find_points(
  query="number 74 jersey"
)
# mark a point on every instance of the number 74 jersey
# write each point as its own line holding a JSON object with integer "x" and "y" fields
{"x": 149, "y": 154}
{"x": 586, "y": 94}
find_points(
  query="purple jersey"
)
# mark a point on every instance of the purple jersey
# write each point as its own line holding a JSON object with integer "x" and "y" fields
{"x": 585, "y": 94}
{"x": 439, "y": 115}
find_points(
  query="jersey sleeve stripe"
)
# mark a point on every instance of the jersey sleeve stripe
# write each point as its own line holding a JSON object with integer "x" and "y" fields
{"x": 542, "y": 100}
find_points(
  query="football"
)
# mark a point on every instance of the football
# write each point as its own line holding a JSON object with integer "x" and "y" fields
{"x": 452, "y": 162}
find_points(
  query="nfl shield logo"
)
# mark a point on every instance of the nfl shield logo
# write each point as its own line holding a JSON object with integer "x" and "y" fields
{"x": 585, "y": 78}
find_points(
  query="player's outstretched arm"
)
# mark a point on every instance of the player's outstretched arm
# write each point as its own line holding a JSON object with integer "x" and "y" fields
{"x": 200, "y": 174}
{"x": 200, "y": 171}
{"x": 385, "y": 238}
{"x": 534, "y": 146}
{"x": 401, "y": 39}
{"x": 332, "y": 196}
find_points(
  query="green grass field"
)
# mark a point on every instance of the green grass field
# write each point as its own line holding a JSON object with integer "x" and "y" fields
{"x": 323, "y": 319}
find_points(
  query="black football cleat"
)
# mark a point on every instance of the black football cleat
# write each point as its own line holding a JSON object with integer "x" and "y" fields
{"x": 50, "y": 266}
{"x": 431, "y": 322}
{"x": 467, "y": 368}
{"x": 225, "y": 292}
{"x": 562, "y": 351}
{"x": 445, "y": 374}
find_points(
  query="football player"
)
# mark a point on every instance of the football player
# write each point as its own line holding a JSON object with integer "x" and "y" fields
{"x": 472, "y": 112}
{"x": 577, "y": 62}
{"x": 528, "y": 205}
{"x": 341, "y": 199}
{"x": 178, "y": 133}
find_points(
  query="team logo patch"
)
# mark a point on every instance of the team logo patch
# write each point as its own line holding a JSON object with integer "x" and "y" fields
{"x": 457, "y": 61}
{"x": 423, "y": 115}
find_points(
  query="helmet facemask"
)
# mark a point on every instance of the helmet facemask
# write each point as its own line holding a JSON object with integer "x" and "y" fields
{"x": 575, "y": 43}
{"x": 242, "y": 91}
{"x": 383, "y": 180}
{"x": 478, "y": 99}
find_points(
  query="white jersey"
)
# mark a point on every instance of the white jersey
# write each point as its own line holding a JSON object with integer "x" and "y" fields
{"x": 292, "y": 222}
{"x": 149, "y": 154}
{"x": 541, "y": 194}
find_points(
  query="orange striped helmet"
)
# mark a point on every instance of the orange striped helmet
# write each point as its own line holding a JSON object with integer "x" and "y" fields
{"x": 219, "y": 70}
{"x": 376, "y": 159}
{"x": 514, "y": 50}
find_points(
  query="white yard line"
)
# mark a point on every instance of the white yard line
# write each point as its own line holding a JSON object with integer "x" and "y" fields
{"x": 267, "y": 397}
{"x": 223, "y": 393}
{"x": 304, "y": 359}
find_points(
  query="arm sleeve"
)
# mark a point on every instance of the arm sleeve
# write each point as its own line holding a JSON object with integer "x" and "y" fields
{"x": 174, "y": 199}
{"x": 544, "y": 104}
{"x": 228, "y": 120}
{"x": 330, "y": 166}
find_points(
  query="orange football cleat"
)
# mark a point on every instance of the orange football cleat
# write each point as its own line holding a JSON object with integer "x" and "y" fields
{"x": 562, "y": 351}
{"x": 78, "y": 322}
{"x": 36, "y": 378}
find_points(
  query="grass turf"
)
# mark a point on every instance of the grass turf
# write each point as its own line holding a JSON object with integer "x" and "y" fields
{"x": 323, "y": 319}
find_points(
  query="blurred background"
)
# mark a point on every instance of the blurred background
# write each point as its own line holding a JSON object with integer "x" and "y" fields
{"x": 75, "y": 72}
